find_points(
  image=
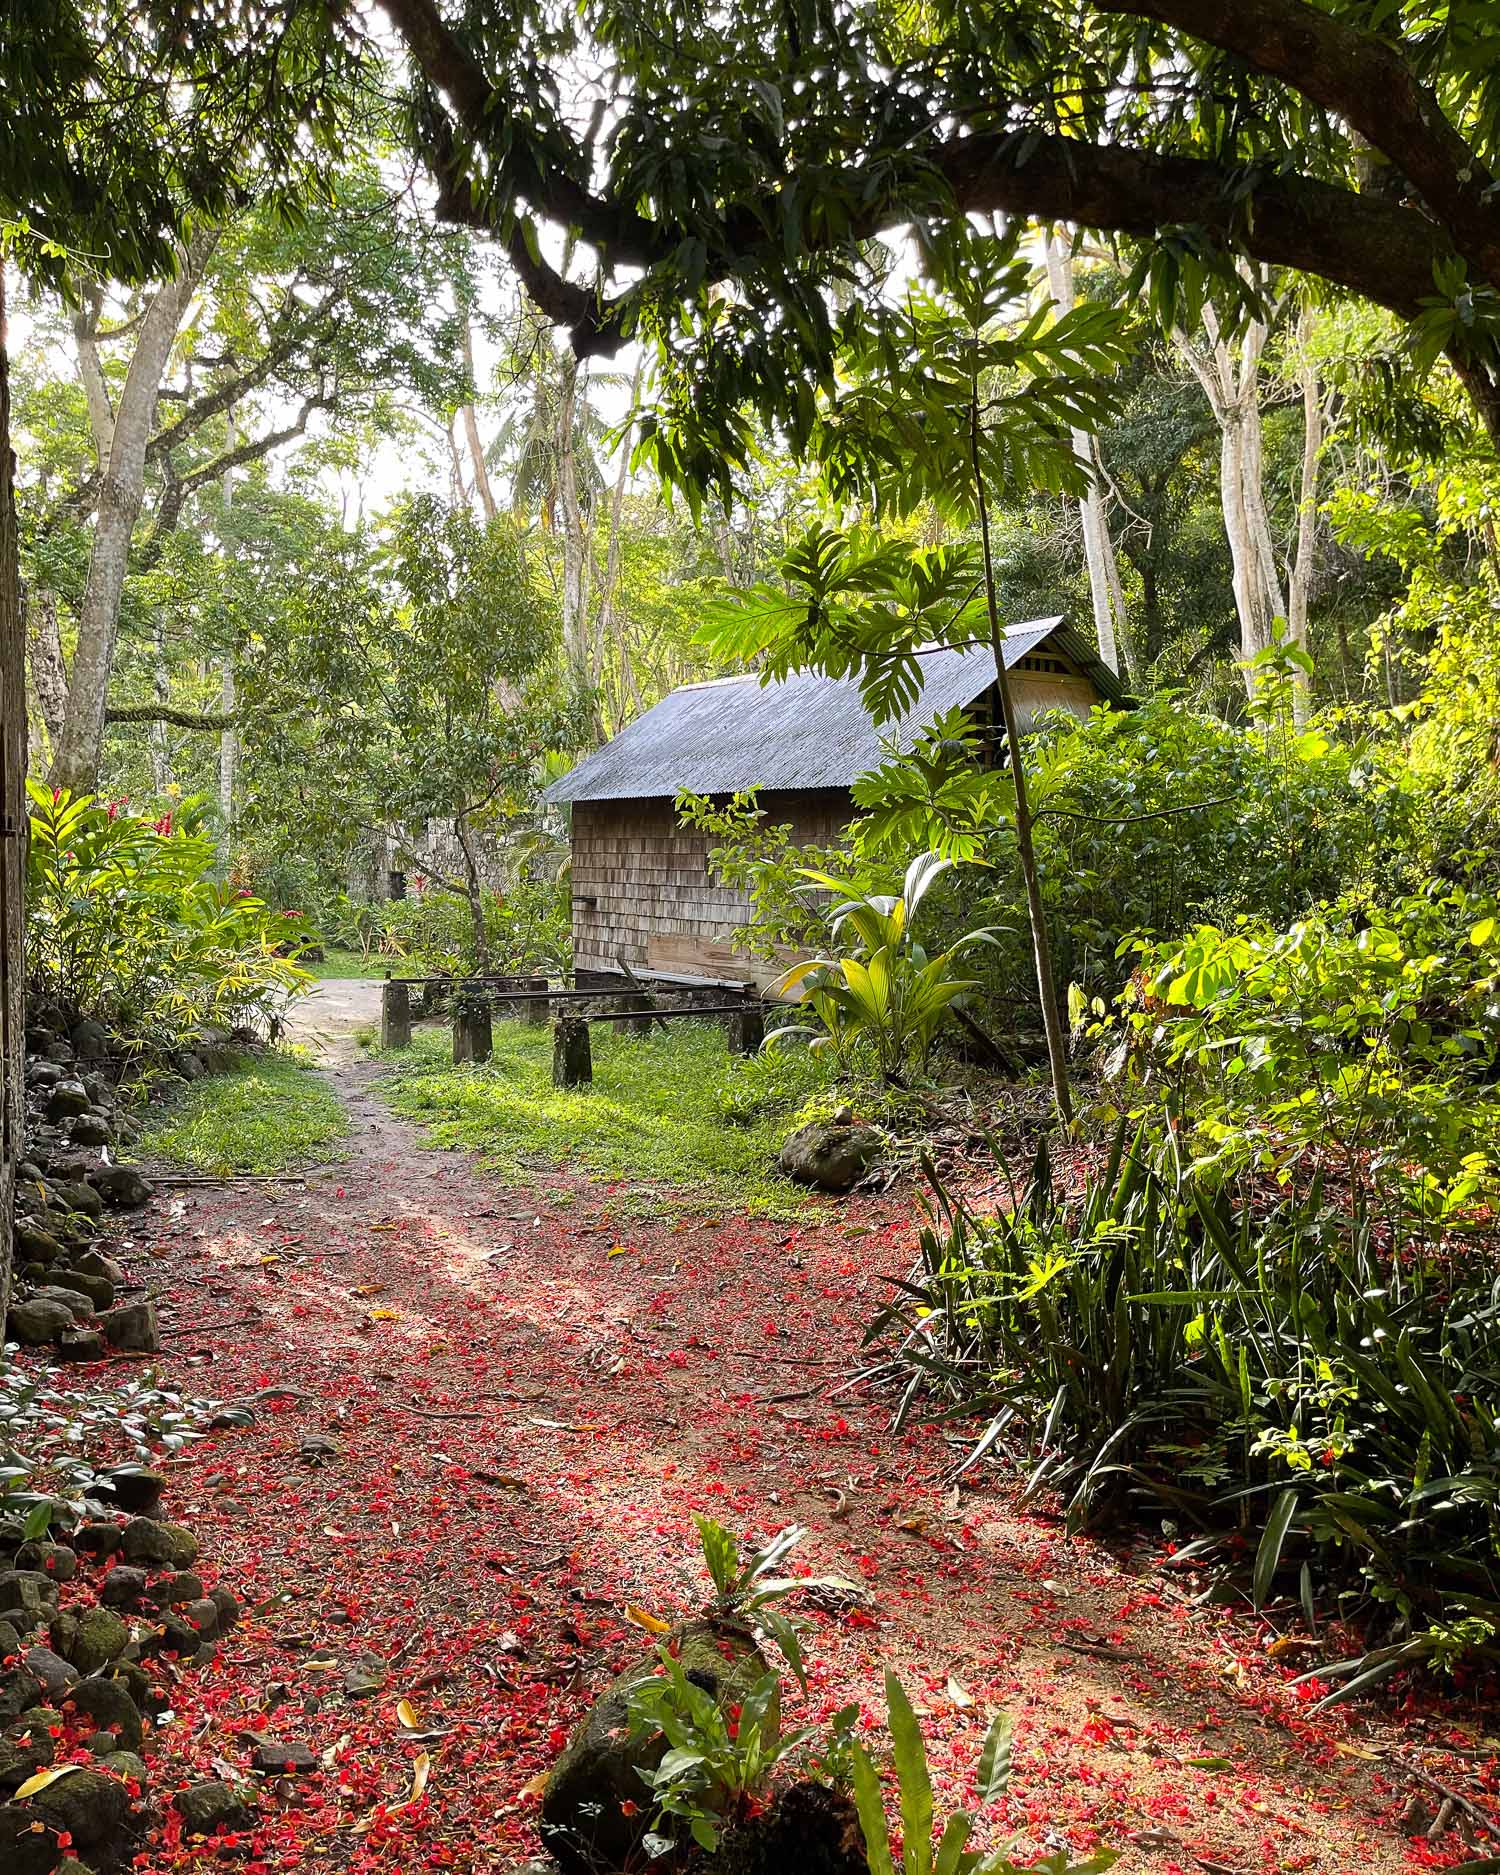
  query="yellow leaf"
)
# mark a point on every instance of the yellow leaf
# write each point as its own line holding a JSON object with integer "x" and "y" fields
{"x": 619, "y": 1249}
{"x": 319, "y": 1666}
{"x": 383, "y": 1315}
{"x": 421, "y": 1770}
{"x": 534, "y": 1786}
{"x": 651, "y": 1623}
{"x": 406, "y": 1712}
{"x": 43, "y": 1779}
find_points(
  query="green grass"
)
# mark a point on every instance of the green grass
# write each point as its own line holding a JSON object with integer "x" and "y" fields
{"x": 271, "y": 1114}
{"x": 340, "y": 966}
{"x": 676, "y": 1111}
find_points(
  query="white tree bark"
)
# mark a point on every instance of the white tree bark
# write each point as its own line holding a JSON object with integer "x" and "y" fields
{"x": 49, "y": 673}
{"x": 229, "y": 740}
{"x": 1310, "y": 383}
{"x": 122, "y": 489}
{"x": 1104, "y": 572}
{"x": 471, "y": 433}
{"x": 1232, "y": 385}
{"x": 575, "y": 599}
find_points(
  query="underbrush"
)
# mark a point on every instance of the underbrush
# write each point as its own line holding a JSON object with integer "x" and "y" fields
{"x": 674, "y": 1108}
{"x": 1318, "y": 1410}
{"x": 270, "y": 1114}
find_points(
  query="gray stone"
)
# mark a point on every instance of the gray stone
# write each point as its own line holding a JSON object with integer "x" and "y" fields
{"x": 592, "y": 1813}
{"x": 202, "y": 1617}
{"x": 214, "y": 1805}
{"x": 67, "y": 1099}
{"x": 43, "y": 1073}
{"x": 277, "y": 1757}
{"x": 28, "y": 1589}
{"x": 10, "y": 1640}
{"x": 228, "y": 1606}
{"x": 52, "y": 1559}
{"x": 90, "y": 1040}
{"x": 830, "y": 1155}
{"x": 53, "y": 1673}
{"x": 174, "y": 1590}
{"x": 25, "y": 1749}
{"x": 133, "y": 1328}
{"x": 58, "y": 1290}
{"x": 123, "y": 1587}
{"x": 91, "y": 1805}
{"x": 99, "y": 1289}
{"x": 24, "y": 1850}
{"x": 136, "y": 1488}
{"x": 143, "y": 1540}
{"x": 90, "y": 1639}
{"x": 97, "y": 1539}
{"x": 35, "y": 1245}
{"x": 60, "y": 1051}
{"x": 96, "y": 1263}
{"x": 82, "y": 1344}
{"x": 121, "y": 1185}
{"x": 35, "y": 1322}
{"x": 92, "y": 1129}
{"x": 20, "y": 1690}
{"x": 74, "y": 1195}
{"x": 108, "y": 1703}
{"x": 127, "y": 1765}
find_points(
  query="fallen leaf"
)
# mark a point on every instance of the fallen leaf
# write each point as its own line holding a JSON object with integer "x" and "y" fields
{"x": 406, "y": 1712}
{"x": 653, "y": 1624}
{"x": 43, "y": 1779}
{"x": 959, "y": 1693}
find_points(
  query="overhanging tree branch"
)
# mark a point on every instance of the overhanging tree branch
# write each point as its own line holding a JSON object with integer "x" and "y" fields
{"x": 215, "y": 720}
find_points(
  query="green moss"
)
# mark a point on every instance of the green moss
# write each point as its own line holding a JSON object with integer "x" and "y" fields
{"x": 674, "y": 1110}
{"x": 271, "y": 1114}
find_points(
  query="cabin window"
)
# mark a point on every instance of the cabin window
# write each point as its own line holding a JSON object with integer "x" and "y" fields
{"x": 1054, "y": 667}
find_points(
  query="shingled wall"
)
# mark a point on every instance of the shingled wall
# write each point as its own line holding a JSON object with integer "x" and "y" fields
{"x": 655, "y": 901}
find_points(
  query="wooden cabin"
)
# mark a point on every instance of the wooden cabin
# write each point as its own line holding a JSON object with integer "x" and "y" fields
{"x": 643, "y": 893}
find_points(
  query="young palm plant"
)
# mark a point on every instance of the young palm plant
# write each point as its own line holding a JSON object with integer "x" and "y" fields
{"x": 883, "y": 995}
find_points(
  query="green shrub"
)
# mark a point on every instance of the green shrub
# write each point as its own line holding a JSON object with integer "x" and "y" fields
{"x": 1363, "y": 1037}
{"x": 1324, "y": 1409}
{"x": 124, "y": 922}
{"x": 528, "y": 928}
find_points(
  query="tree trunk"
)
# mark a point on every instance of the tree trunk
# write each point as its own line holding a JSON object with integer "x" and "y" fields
{"x": 49, "y": 674}
{"x": 475, "y": 895}
{"x": 12, "y": 827}
{"x": 1041, "y": 947}
{"x": 574, "y": 532}
{"x": 122, "y": 489}
{"x": 1104, "y": 574}
{"x": 229, "y": 737}
{"x": 471, "y": 431}
{"x": 1307, "y": 513}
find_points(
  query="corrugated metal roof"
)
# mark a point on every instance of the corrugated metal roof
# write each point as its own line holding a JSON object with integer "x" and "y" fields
{"x": 807, "y": 731}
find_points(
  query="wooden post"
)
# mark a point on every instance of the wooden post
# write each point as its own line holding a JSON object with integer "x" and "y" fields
{"x": 395, "y": 1015}
{"x": 473, "y": 1030}
{"x": 747, "y": 1026}
{"x": 639, "y": 1024}
{"x": 572, "y": 1063}
{"x": 535, "y": 1012}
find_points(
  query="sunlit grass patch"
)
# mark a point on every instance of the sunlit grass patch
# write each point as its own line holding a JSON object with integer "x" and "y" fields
{"x": 269, "y": 1114}
{"x": 675, "y": 1110}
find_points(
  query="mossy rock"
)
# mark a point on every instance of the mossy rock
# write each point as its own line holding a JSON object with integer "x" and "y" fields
{"x": 596, "y": 1810}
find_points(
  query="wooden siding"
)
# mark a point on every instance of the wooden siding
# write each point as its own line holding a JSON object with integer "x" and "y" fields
{"x": 655, "y": 902}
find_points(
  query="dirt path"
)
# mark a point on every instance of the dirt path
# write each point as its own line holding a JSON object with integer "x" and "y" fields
{"x": 525, "y": 1404}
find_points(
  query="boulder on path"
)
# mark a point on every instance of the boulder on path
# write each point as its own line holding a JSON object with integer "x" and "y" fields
{"x": 89, "y": 1639}
{"x": 214, "y": 1805}
{"x": 121, "y": 1185}
{"x": 831, "y": 1155}
{"x": 596, "y": 1810}
{"x": 37, "y": 1321}
{"x": 73, "y": 1195}
{"x": 109, "y": 1705}
{"x": 133, "y": 1328}
{"x": 68, "y": 1100}
{"x": 90, "y": 1805}
{"x": 144, "y": 1540}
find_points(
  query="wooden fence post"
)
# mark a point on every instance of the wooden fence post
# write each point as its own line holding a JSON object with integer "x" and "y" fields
{"x": 747, "y": 1026}
{"x": 473, "y": 1030}
{"x": 640, "y": 1023}
{"x": 572, "y": 1063}
{"x": 395, "y": 1015}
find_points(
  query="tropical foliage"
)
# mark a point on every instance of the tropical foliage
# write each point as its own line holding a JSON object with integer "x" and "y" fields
{"x": 126, "y": 923}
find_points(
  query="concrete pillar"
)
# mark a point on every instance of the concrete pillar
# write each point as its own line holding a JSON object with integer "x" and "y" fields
{"x": 535, "y": 1012}
{"x": 572, "y": 1063}
{"x": 395, "y": 1015}
{"x": 747, "y": 1028}
{"x": 473, "y": 1030}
